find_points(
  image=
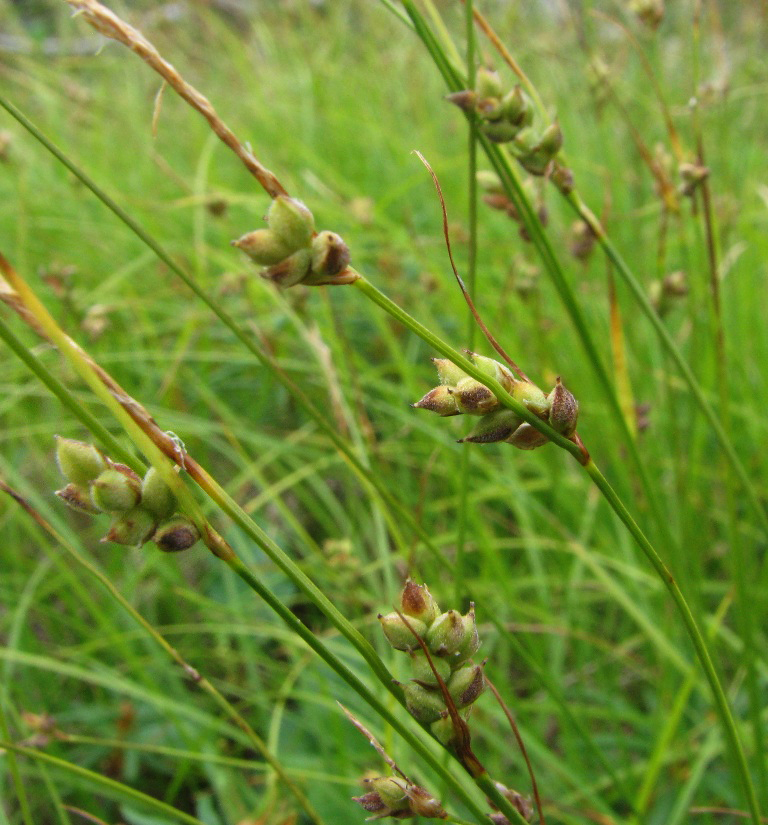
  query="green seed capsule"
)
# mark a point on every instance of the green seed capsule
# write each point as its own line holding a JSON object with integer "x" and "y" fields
{"x": 400, "y": 635}
{"x": 291, "y": 221}
{"x": 156, "y": 495}
{"x": 131, "y": 529}
{"x": 263, "y": 246}
{"x": 79, "y": 462}
{"x": 116, "y": 490}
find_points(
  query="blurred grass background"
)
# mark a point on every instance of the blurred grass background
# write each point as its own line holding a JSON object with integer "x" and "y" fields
{"x": 333, "y": 97}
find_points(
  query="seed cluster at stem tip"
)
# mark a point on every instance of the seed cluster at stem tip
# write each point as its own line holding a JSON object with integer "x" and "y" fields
{"x": 291, "y": 252}
{"x": 142, "y": 509}
{"x": 450, "y": 639}
{"x": 508, "y": 117}
{"x": 460, "y": 394}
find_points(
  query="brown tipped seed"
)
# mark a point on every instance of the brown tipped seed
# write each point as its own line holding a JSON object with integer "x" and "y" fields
{"x": 440, "y": 400}
{"x": 474, "y": 398}
{"x": 263, "y": 246}
{"x": 291, "y": 271}
{"x": 115, "y": 490}
{"x": 562, "y": 177}
{"x": 423, "y": 673}
{"x": 372, "y": 803}
{"x": 330, "y": 255}
{"x": 417, "y": 602}
{"x": 78, "y": 498}
{"x": 131, "y": 529}
{"x": 423, "y": 704}
{"x": 424, "y": 804}
{"x": 564, "y": 410}
{"x": 466, "y": 685}
{"x": 465, "y": 100}
{"x": 156, "y": 495}
{"x": 175, "y": 534}
{"x": 400, "y": 635}
{"x": 493, "y": 427}
{"x": 526, "y": 437}
{"x": 291, "y": 221}
{"x": 447, "y": 372}
{"x": 79, "y": 462}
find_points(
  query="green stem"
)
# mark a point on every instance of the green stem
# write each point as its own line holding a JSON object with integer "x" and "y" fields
{"x": 699, "y": 644}
{"x": 103, "y": 782}
{"x": 672, "y": 349}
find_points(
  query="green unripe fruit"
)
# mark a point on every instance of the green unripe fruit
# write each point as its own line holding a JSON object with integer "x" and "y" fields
{"x": 487, "y": 83}
{"x": 263, "y": 246}
{"x": 446, "y": 633}
{"x": 79, "y": 462}
{"x": 531, "y": 397}
{"x": 494, "y": 369}
{"x": 391, "y": 791}
{"x": 156, "y": 495}
{"x": 131, "y": 529}
{"x": 447, "y": 372}
{"x": 423, "y": 704}
{"x": 116, "y": 490}
{"x": 422, "y": 672}
{"x": 400, "y": 635}
{"x": 290, "y": 271}
{"x": 291, "y": 221}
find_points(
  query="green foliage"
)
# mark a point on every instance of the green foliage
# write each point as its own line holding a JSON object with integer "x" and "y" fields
{"x": 582, "y": 640}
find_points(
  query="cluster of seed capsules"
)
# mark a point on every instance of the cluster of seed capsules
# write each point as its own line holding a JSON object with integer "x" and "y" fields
{"x": 508, "y": 117}
{"x": 459, "y": 393}
{"x": 291, "y": 252}
{"x": 451, "y": 640}
{"x": 142, "y": 509}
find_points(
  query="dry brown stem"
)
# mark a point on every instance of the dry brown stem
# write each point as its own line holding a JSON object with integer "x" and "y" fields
{"x": 110, "y": 25}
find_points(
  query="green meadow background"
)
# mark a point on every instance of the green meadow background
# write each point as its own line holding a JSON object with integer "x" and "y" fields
{"x": 581, "y": 636}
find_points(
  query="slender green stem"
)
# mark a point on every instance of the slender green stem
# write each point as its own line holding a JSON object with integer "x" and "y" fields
{"x": 700, "y": 645}
{"x": 462, "y": 514}
{"x": 107, "y": 785}
{"x": 668, "y": 342}
{"x": 13, "y": 767}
